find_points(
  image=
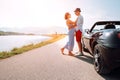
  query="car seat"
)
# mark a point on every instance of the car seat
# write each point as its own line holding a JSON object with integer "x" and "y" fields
{"x": 109, "y": 26}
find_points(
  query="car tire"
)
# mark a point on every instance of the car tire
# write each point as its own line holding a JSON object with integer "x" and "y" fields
{"x": 99, "y": 63}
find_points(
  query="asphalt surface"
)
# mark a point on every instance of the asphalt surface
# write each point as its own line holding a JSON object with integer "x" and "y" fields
{"x": 47, "y": 63}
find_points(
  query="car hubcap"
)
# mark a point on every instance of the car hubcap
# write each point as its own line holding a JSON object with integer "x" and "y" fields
{"x": 97, "y": 60}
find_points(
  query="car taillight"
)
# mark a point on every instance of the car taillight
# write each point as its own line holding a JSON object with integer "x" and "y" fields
{"x": 118, "y": 35}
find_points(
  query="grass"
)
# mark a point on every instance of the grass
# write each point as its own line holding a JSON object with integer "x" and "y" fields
{"x": 15, "y": 51}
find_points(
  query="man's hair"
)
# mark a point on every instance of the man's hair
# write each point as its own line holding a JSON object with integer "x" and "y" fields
{"x": 77, "y": 9}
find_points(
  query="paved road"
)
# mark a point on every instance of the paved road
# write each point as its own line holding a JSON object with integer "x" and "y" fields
{"x": 47, "y": 63}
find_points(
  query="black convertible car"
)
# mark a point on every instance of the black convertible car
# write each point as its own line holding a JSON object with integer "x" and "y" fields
{"x": 103, "y": 43}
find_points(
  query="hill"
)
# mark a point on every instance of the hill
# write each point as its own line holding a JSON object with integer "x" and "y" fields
{"x": 10, "y": 33}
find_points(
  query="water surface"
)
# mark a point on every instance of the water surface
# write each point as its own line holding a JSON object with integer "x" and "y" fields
{"x": 7, "y": 43}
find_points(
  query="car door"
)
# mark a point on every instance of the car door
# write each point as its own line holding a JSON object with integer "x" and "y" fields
{"x": 87, "y": 37}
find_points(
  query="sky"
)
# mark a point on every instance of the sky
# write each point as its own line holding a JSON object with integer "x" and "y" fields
{"x": 47, "y": 16}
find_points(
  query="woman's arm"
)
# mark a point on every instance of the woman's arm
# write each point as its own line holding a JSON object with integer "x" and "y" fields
{"x": 70, "y": 24}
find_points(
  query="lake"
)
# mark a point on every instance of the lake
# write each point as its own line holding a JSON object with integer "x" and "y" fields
{"x": 7, "y": 43}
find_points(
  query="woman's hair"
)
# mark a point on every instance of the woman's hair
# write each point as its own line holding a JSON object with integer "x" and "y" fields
{"x": 66, "y": 15}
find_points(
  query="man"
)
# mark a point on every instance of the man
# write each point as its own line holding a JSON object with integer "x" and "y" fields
{"x": 79, "y": 24}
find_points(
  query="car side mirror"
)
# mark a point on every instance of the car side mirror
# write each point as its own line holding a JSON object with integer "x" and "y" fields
{"x": 87, "y": 31}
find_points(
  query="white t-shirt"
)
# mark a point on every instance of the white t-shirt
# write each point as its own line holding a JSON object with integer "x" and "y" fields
{"x": 79, "y": 23}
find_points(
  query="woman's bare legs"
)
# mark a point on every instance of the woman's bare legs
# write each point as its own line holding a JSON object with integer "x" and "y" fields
{"x": 70, "y": 53}
{"x": 62, "y": 51}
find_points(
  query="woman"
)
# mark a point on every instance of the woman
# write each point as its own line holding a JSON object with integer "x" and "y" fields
{"x": 71, "y": 27}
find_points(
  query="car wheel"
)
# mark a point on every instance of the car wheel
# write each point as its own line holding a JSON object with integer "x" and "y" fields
{"x": 99, "y": 63}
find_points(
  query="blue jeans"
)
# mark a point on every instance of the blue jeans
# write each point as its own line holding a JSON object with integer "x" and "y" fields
{"x": 70, "y": 43}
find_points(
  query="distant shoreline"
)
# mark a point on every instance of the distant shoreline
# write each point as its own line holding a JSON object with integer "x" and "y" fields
{"x": 15, "y": 51}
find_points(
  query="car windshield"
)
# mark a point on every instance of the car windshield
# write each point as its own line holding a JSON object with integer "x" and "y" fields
{"x": 102, "y": 27}
{"x": 98, "y": 27}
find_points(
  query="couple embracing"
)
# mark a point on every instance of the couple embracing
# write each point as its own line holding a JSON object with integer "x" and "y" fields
{"x": 74, "y": 27}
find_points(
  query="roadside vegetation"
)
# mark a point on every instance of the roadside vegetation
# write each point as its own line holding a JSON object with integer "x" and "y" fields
{"x": 15, "y": 51}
